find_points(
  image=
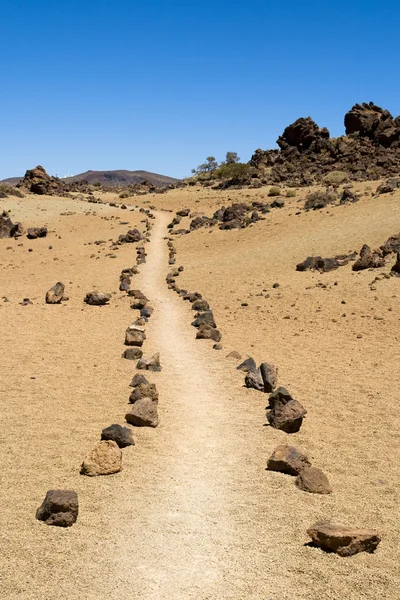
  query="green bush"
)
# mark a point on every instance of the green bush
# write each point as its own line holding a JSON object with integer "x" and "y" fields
{"x": 238, "y": 172}
{"x": 291, "y": 194}
{"x": 124, "y": 195}
{"x": 96, "y": 184}
{"x": 10, "y": 190}
{"x": 274, "y": 191}
{"x": 336, "y": 177}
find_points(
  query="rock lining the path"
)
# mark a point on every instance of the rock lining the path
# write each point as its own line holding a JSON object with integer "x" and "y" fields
{"x": 342, "y": 539}
{"x": 122, "y": 436}
{"x": 97, "y": 298}
{"x": 286, "y": 413}
{"x": 287, "y": 459}
{"x": 59, "y": 508}
{"x": 104, "y": 459}
{"x": 143, "y": 413}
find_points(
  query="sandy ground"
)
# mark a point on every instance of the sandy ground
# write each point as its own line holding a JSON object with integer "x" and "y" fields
{"x": 194, "y": 514}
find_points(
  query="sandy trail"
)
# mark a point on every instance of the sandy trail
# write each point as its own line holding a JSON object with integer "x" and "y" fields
{"x": 198, "y": 513}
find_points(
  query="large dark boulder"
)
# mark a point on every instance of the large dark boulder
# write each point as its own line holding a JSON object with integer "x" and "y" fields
{"x": 8, "y": 228}
{"x": 373, "y": 122}
{"x": 301, "y": 134}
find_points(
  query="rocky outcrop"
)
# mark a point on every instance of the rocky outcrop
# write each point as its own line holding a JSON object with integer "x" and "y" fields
{"x": 38, "y": 181}
{"x": 369, "y": 150}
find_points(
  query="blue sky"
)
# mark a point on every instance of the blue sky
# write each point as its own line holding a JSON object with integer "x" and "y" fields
{"x": 159, "y": 85}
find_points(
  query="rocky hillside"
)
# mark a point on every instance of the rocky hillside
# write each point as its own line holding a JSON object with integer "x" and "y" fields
{"x": 369, "y": 150}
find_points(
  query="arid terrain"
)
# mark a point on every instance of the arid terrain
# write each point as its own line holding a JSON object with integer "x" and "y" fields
{"x": 194, "y": 514}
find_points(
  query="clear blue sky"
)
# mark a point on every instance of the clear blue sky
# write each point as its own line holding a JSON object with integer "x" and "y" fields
{"x": 161, "y": 84}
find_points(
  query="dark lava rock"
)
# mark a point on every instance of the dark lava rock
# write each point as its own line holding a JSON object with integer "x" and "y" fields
{"x": 9, "y": 229}
{"x": 254, "y": 380}
{"x": 317, "y": 263}
{"x": 344, "y": 540}
{"x": 59, "y": 508}
{"x": 205, "y": 332}
{"x": 143, "y": 413}
{"x": 151, "y": 363}
{"x": 118, "y": 434}
{"x": 205, "y": 318}
{"x": 301, "y": 134}
{"x": 368, "y": 260}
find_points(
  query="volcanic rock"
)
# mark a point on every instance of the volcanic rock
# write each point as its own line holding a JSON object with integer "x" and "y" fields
{"x": 143, "y": 413}
{"x": 286, "y": 413}
{"x": 287, "y": 459}
{"x": 247, "y": 365}
{"x": 313, "y": 480}
{"x": 368, "y": 260}
{"x": 59, "y": 508}
{"x": 144, "y": 390}
{"x": 344, "y": 540}
{"x": 97, "y": 298}
{"x": 150, "y": 364}
{"x": 36, "y": 232}
{"x": 55, "y": 294}
{"x": 205, "y": 332}
{"x": 134, "y": 337}
{"x": 122, "y": 436}
{"x": 132, "y": 353}
{"x": 104, "y": 459}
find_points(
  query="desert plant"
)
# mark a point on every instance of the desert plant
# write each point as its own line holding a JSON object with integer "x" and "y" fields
{"x": 291, "y": 194}
{"x": 208, "y": 167}
{"x": 274, "y": 191}
{"x": 316, "y": 200}
{"x": 124, "y": 195}
{"x": 237, "y": 172}
{"x": 336, "y": 177}
{"x": 10, "y": 190}
{"x": 96, "y": 184}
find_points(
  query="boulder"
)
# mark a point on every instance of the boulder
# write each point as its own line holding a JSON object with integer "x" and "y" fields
{"x": 146, "y": 311}
{"x": 36, "y": 232}
{"x": 301, "y": 134}
{"x": 132, "y": 236}
{"x": 313, "y": 480}
{"x": 59, "y": 508}
{"x": 317, "y": 263}
{"x": 269, "y": 374}
{"x": 143, "y": 413}
{"x": 134, "y": 337}
{"x": 287, "y": 459}
{"x": 286, "y": 413}
{"x": 183, "y": 212}
{"x": 151, "y": 363}
{"x": 132, "y": 353}
{"x": 55, "y": 294}
{"x": 205, "y": 332}
{"x": 38, "y": 181}
{"x": 122, "y": 436}
{"x": 371, "y": 121}
{"x": 104, "y": 459}
{"x": 97, "y": 298}
{"x": 342, "y": 539}
{"x": 247, "y": 365}
{"x": 144, "y": 390}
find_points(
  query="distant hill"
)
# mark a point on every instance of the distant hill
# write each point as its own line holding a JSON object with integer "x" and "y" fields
{"x": 112, "y": 178}
{"x": 12, "y": 180}
{"x": 117, "y": 178}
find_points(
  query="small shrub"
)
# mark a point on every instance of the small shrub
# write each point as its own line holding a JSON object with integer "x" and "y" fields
{"x": 291, "y": 194}
{"x": 238, "y": 172}
{"x": 96, "y": 184}
{"x": 336, "y": 177}
{"x": 10, "y": 190}
{"x": 317, "y": 200}
{"x": 124, "y": 195}
{"x": 274, "y": 191}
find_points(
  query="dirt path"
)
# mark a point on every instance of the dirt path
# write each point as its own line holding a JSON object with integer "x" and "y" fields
{"x": 199, "y": 523}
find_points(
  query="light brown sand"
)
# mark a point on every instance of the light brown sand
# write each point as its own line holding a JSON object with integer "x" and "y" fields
{"x": 194, "y": 514}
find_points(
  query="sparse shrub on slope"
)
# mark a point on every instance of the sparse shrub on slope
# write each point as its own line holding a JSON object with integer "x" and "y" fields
{"x": 316, "y": 200}
{"x": 10, "y": 190}
{"x": 291, "y": 194}
{"x": 336, "y": 177}
{"x": 274, "y": 191}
